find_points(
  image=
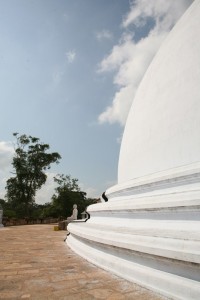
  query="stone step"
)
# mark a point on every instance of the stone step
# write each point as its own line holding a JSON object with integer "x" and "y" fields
{"x": 174, "y": 248}
{"x": 169, "y": 277}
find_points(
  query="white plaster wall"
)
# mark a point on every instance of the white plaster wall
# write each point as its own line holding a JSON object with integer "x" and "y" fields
{"x": 163, "y": 127}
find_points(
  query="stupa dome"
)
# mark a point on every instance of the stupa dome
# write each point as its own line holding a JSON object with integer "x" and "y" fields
{"x": 148, "y": 231}
{"x": 162, "y": 130}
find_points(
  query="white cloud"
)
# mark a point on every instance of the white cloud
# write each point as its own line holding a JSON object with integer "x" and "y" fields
{"x": 131, "y": 71}
{"x": 118, "y": 55}
{"x": 3, "y": 184}
{"x": 133, "y": 60}
{"x": 91, "y": 192}
{"x": 46, "y": 192}
{"x": 6, "y": 155}
{"x": 71, "y": 55}
{"x": 130, "y": 59}
{"x": 118, "y": 112}
{"x": 164, "y": 13}
{"x": 104, "y": 35}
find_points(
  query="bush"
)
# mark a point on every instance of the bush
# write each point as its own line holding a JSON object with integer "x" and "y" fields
{"x": 9, "y": 214}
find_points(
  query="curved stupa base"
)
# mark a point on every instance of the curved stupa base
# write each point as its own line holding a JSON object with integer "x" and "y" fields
{"x": 149, "y": 230}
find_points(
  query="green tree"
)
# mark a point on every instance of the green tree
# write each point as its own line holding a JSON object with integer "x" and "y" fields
{"x": 66, "y": 183}
{"x": 7, "y": 209}
{"x": 2, "y": 203}
{"x": 66, "y": 195}
{"x": 30, "y": 162}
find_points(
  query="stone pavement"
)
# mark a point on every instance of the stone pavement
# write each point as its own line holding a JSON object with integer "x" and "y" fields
{"x": 35, "y": 263}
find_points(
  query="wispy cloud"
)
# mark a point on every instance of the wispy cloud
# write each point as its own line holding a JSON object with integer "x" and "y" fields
{"x": 71, "y": 55}
{"x": 3, "y": 185}
{"x": 164, "y": 13}
{"x": 48, "y": 189}
{"x": 6, "y": 155}
{"x": 104, "y": 35}
{"x": 91, "y": 192}
{"x": 130, "y": 59}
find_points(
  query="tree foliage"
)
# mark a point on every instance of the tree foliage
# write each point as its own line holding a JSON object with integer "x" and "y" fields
{"x": 30, "y": 162}
{"x": 66, "y": 195}
{"x": 66, "y": 183}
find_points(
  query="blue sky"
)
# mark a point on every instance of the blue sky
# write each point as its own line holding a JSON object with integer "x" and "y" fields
{"x": 69, "y": 71}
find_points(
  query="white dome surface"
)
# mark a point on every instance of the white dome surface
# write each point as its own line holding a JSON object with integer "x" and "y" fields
{"x": 163, "y": 126}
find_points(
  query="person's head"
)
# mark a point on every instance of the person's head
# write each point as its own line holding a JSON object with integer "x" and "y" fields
{"x": 74, "y": 206}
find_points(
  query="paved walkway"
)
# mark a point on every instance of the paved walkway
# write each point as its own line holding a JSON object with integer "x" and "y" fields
{"x": 35, "y": 263}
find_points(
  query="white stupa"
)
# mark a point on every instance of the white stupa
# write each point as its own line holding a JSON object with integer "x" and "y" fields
{"x": 149, "y": 230}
